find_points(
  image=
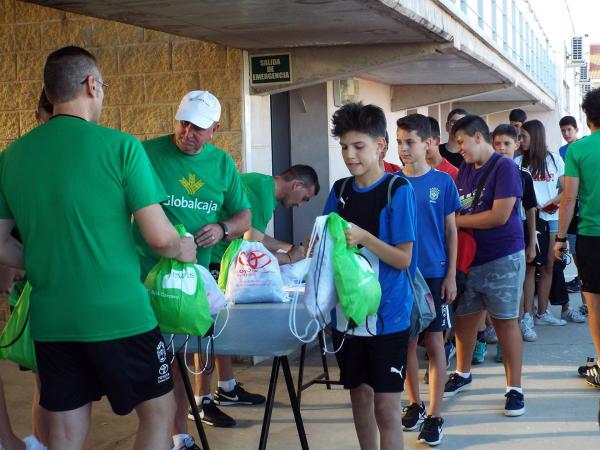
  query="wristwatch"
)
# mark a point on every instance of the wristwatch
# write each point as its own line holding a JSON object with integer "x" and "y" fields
{"x": 225, "y": 229}
{"x": 559, "y": 239}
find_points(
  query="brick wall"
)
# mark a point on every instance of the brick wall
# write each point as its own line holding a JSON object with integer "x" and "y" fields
{"x": 148, "y": 72}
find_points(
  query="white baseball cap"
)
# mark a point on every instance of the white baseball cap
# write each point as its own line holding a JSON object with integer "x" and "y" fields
{"x": 200, "y": 108}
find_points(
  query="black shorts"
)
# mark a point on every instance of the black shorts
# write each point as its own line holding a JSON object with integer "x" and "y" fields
{"x": 128, "y": 371}
{"x": 379, "y": 361}
{"x": 588, "y": 263}
{"x": 440, "y": 321}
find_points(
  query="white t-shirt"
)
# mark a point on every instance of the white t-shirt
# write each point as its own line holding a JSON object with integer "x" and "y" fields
{"x": 546, "y": 188}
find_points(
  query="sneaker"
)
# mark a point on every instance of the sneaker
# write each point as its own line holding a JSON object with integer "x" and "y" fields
{"x": 528, "y": 319}
{"x": 528, "y": 333}
{"x": 515, "y": 404}
{"x": 572, "y": 315}
{"x": 591, "y": 368}
{"x": 238, "y": 396}
{"x": 413, "y": 416}
{"x": 213, "y": 416}
{"x": 490, "y": 335}
{"x": 573, "y": 286}
{"x": 189, "y": 444}
{"x": 479, "y": 352}
{"x": 593, "y": 379}
{"x": 498, "y": 354}
{"x": 583, "y": 310}
{"x": 32, "y": 443}
{"x": 548, "y": 319}
{"x": 450, "y": 350}
{"x": 455, "y": 384}
{"x": 432, "y": 430}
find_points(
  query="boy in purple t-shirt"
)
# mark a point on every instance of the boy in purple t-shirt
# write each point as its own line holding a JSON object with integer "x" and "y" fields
{"x": 495, "y": 281}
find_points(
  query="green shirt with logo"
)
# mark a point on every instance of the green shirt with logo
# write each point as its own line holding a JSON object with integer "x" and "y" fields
{"x": 71, "y": 187}
{"x": 583, "y": 162}
{"x": 201, "y": 189}
{"x": 260, "y": 190}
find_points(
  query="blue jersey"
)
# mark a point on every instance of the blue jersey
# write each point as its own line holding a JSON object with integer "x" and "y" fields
{"x": 367, "y": 208}
{"x": 563, "y": 151}
{"x": 437, "y": 197}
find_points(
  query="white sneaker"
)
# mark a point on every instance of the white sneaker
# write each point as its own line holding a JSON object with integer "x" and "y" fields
{"x": 490, "y": 335}
{"x": 548, "y": 319}
{"x": 528, "y": 333}
{"x": 528, "y": 319}
{"x": 31, "y": 443}
{"x": 572, "y": 315}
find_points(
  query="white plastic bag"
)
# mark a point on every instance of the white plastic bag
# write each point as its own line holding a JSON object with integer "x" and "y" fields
{"x": 254, "y": 276}
{"x": 216, "y": 300}
{"x": 320, "y": 296}
{"x": 293, "y": 274}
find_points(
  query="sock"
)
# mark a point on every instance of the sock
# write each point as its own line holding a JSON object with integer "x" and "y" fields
{"x": 180, "y": 440}
{"x": 465, "y": 375}
{"x": 199, "y": 398}
{"x": 512, "y": 388}
{"x": 227, "y": 385}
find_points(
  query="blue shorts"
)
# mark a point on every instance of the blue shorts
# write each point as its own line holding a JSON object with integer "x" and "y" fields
{"x": 552, "y": 226}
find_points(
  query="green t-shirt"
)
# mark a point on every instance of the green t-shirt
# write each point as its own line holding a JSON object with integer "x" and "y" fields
{"x": 583, "y": 161}
{"x": 260, "y": 190}
{"x": 201, "y": 188}
{"x": 71, "y": 187}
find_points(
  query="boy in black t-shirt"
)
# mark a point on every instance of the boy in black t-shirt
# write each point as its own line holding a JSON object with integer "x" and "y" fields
{"x": 506, "y": 142}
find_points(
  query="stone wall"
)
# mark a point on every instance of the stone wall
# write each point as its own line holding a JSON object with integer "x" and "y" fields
{"x": 147, "y": 71}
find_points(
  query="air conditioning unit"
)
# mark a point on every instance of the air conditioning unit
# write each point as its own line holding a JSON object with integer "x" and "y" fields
{"x": 577, "y": 49}
{"x": 584, "y": 74}
{"x": 585, "y": 88}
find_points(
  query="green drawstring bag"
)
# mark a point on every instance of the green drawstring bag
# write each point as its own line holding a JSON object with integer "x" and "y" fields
{"x": 16, "y": 343}
{"x": 357, "y": 286}
{"x": 226, "y": 261}
{"x": 177, "y": 296}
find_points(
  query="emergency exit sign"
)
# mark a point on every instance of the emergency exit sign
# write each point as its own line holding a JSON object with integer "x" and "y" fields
{"x": 270, "y": 69}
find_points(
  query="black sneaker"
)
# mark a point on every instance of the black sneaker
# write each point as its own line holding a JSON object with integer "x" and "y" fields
{"x": 455, "y": 384}
{"x": 573, "y": 285}
{"x": 213, "y": 416}
{"x": 414, "y": 415}
{"x": 432, "y": 431}
{"x": 590, "y": 368}
{"x": 238, "y": 396}
{"x": 593, "y": 379}
{"x": 515, "y": 404}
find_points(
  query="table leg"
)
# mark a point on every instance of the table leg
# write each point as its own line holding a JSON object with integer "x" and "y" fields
{"x": 287, "y": 374}
{"x": 301, "y": 372}
{"x": 264, "y": 433}
{"x": 190, "y": 394}
{"x": 324, "y": 359}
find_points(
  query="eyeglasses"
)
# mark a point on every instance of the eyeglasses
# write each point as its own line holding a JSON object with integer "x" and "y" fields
{"x": 196, "y": 128}
{"x": 102, "y": 83}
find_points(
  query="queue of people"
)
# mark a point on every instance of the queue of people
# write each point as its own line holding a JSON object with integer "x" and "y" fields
{"x": 105, "y": 214}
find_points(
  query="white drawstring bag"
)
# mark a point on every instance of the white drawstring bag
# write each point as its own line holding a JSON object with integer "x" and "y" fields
{"x": 254, "y": 276}
{"x": 216, "y": 300}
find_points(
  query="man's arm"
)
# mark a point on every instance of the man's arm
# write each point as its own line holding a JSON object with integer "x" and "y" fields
{"x": 237, "y": 225}
{"x": 565, "y": 212}
{"x": 449, "y": 283}
{"x": 11, "y": 251}
{"x": 162, "y": 237}
{"x": 290, "y": 254}
{"x": 498, "y": 215}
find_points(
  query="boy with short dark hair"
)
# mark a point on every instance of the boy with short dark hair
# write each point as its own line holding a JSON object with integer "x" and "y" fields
{"x": 372, "y": 358}
{"x": 569, "y": 131}
{"x": 433, "y": 155}
{"x": 517, "y": 117}
{"x": 506, "y": 142}
{"x": 449, "y": 150}
{"x": 437, "y": 200}
{"x": 489, "y": 187}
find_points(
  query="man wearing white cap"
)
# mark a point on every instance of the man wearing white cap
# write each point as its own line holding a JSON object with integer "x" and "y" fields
{"x": 202, "y": 185}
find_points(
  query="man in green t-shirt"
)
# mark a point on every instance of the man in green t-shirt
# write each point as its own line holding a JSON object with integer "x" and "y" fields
{"x": 205, "y": 194}
{"x": 581, "y": 179}
{"x": 71, "y": 187}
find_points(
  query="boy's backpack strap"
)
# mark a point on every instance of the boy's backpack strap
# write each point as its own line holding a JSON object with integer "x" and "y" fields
{"x": 340, "y": 194}
{"x": 391, "y": 189}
